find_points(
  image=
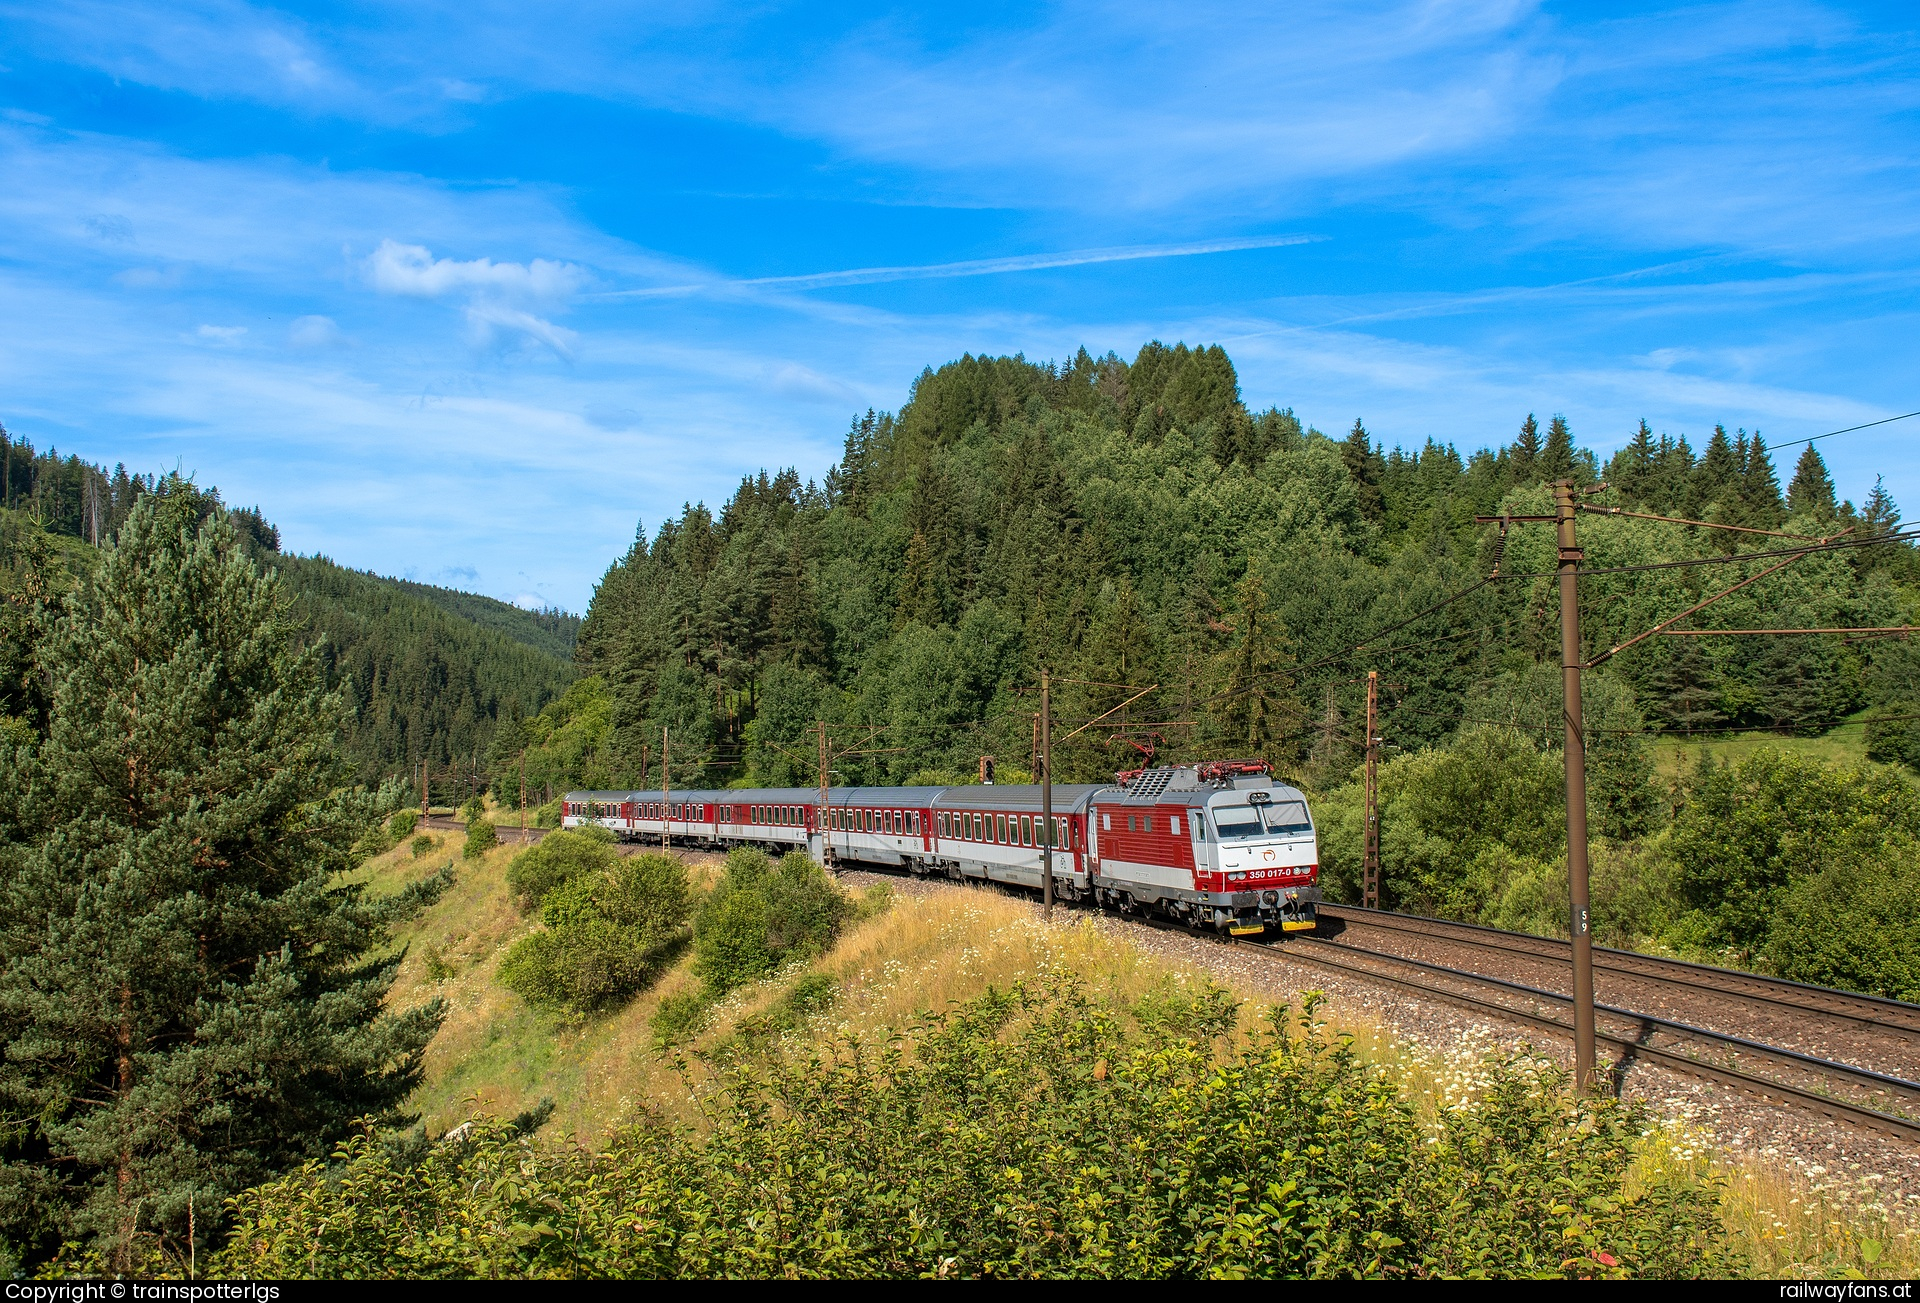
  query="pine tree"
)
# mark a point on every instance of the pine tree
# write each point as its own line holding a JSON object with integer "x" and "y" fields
{"x": 190, "y": 998}
{"x": 1811, "y": 493}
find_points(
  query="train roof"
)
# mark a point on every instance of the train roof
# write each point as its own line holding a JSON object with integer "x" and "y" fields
{"x": 1067, "y": 797}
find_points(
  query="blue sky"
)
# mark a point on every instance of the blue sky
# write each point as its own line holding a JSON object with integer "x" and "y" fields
{"x": 463, "y": 292}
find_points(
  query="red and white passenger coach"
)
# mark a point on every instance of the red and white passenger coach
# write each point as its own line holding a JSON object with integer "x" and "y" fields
{"x": 1220, "y": 845}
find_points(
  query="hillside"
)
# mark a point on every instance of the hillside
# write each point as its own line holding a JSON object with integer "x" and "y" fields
{"x": 430, "y": 673}
{"x": 603, "y": 1082}
{"x": 1135, "y": 528}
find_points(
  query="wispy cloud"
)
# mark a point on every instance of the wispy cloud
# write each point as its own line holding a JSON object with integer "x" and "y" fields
{"x": 970, "y": 267}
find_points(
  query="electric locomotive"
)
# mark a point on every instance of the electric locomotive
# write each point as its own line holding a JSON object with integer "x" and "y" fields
{"x": 1219, "y": 845}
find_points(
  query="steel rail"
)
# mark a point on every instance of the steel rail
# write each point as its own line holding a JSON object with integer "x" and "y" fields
{"x": 1839, "y": 1110}
{"x": 1868, "y": 1011}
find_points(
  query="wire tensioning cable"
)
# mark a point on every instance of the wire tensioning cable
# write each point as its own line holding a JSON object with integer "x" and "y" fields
{"x": 1849, "y": 430}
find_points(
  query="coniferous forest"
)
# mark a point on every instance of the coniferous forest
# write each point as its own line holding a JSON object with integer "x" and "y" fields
{"x": 1136, "y": 529}
{"x": 428, "y": 672}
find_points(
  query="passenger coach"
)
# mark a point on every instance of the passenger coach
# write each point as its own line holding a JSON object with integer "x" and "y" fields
{"x": 1220, "y": 845}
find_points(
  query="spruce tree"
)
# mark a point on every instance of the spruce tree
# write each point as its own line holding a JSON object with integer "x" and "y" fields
{"x": 1556, "y": 459}
{"x": 1364, "y": 464}
{"x": 1811, "y": 493}
{"x": 1526, "y": 452}
{"x": 1632, "y": 468}
{"x": 190, "y": 995}
{"x": 1718, "y": 472}
{"x": 1254, "y": 708}
{"x": 1760, "y": 487}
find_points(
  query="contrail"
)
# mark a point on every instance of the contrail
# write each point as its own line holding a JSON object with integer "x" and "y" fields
{"x": 975, "y": 267}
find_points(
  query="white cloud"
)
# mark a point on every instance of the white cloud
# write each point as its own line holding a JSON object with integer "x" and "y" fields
{"x": 411, "y": 269}
{"x": 315, "y": 332}
{"x": 221, "y": 334}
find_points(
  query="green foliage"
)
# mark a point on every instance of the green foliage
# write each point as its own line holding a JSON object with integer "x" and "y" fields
{"x": 609, "y": 934}
{"x": 422, "y": 845}
{"x": 475, "y": 808}
{"x": 763, "y": 914}
{"x": 680, "y": 1017}
{"x": 1855, "y": 925}
{"x": 401, "y": 823}
{"x": 1035, "y": 1133}
{"x": 1748, "y": 832}
{"x": 555, "y": 860}
{"x": 481, "y": 838}
{"x": 191, "y": 998}
{"x": 550, "y": 814}
{"x": 1103, "y": 518}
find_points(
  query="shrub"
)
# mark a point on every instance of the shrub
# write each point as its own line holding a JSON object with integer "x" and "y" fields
{"x": 680, "y": 1018}
{"x": 555, "y": 859}
{"x": 1749, "y": 831}
{"x": 548, "y": 815}
{"x": 401, "y": 824}
{"x": 608, "y": 935}
{"x": 481, "y": 838}
{"x": 474, "y": 810}
{"x": 1039, "y": 1132}
{"x": 423, "y": 844}
{"x": 762, "y": 914}
{"x": 1855, "y": 926}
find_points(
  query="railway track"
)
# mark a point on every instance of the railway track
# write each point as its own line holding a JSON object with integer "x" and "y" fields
{"x": 1843, "y": 1092}
{"x": 1894, "y": 1020}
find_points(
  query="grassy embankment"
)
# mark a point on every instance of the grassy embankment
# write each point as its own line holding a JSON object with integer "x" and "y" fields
{"x": 1843, "y": 744}
{"x": 494, "y": 1054}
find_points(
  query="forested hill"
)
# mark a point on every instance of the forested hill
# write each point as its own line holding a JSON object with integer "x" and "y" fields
{"x": 430, "y": 672}
{"x": 1133, "y": 526}
{"x": 551, "y": 631}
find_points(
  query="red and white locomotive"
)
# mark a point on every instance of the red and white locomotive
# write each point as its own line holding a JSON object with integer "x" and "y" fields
{"x": 1219, "y": 845}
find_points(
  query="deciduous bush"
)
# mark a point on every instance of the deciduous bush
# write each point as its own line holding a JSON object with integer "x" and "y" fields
{"x": 1039, "y": 1132}
{"x": 558, "y": 858}
{"x": 481, "y": 838}
{"x": 763, "y": 914}
{"x": 423, "y": 844}
{"x": 401, "y": 823}
{"x": 1855, "y": 926}
{"x": 608, "y": 935}
{"x": 1748, "y": 832}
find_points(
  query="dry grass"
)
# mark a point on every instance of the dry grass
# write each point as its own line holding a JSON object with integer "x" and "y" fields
{"x": 495, "y": 1054}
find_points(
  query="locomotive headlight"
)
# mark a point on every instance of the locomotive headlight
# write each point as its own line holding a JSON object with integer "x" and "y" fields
{"x": 1236, "y": 877}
